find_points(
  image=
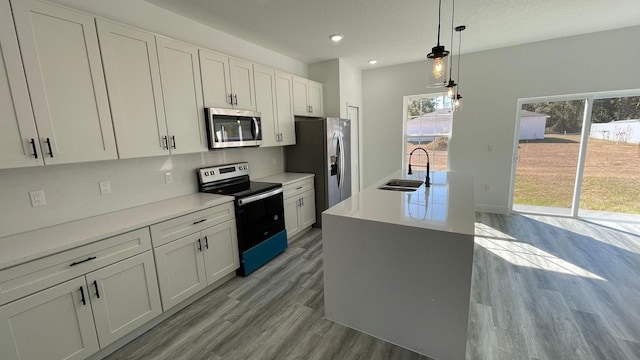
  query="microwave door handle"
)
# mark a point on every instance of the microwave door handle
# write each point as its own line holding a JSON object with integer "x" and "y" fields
{"x": 256, "y": 129}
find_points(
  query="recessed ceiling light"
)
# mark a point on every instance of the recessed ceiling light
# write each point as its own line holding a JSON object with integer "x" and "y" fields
{"x": 336, "y": 37}
{"x": 373, "y": 62}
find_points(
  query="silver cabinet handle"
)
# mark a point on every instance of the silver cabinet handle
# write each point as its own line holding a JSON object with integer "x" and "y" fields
{"x": 165, "y": 143}
{"x": 173, "y": 141}
{"x": 230, "y": 99}
{"x": 235, "y": 99}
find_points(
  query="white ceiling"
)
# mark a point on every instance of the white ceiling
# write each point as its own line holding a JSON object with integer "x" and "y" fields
{"x": 400, "y": 31}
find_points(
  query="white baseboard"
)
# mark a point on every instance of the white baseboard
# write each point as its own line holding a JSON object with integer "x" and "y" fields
{"x": 491, "y": 209}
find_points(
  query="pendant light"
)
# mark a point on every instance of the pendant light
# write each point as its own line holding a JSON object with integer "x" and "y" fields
{"x": 459, "y": 29}
{"x": 451, "y": 85}
{"x": 438, "y": 53}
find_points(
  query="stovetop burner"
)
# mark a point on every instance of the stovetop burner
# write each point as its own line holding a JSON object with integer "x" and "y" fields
{"x": 231, "y": 179}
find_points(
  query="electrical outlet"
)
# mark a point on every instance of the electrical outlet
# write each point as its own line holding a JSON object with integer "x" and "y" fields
{"x": 488, "y": 188}
{"x": 491, "y": 148}
{"x": 168, "y": 178}
{"x": 105, "y": 187}
{"x": 37, "y": 198}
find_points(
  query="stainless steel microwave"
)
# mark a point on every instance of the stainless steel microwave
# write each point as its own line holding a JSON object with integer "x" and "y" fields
{"x": 227, "y": 128}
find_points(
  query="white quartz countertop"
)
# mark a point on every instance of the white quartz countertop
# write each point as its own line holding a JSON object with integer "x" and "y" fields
{"x": 285, "y": 178}
{"x": 447, "y": 205}
{"x": 31, "y": 245}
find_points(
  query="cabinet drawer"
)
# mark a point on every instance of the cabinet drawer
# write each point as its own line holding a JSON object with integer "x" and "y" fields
{"x": 297, "y": 188}
{"x": 34, "y": 276}
{"x": 174, "y": 229}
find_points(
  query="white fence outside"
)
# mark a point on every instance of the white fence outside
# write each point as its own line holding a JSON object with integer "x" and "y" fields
{"x": 621, "y": 131}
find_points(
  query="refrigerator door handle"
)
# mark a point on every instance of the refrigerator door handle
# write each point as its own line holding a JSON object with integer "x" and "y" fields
{"x": 342, "y": 162}
{"x": 339, "y": 160}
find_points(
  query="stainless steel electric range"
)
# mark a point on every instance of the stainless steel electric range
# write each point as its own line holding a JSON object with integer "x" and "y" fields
{"x": 259, "y": 212}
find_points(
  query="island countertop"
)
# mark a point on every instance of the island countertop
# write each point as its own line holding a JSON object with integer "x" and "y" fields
{"x": 447, "y": 205}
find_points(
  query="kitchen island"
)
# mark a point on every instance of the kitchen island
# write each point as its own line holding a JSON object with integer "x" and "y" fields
{"x": 397, "y": 265}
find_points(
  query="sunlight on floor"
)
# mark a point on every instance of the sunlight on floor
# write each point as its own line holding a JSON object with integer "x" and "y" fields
{"x": 526, "y": 255}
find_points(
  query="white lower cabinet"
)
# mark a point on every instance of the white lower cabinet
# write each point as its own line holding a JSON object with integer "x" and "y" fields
{"x": 123, "y": 296}
{"x": 74, "y": 319}
{"x": 191, "y": 263}
{"x": 51, "y": 324}
{"x": 299, "y": 206}
{"x": 180, "y": 268}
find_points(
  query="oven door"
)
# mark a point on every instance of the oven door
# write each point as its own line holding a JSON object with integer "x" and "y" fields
{"x": 259, "y": 217}
{"x": 233, "y": 128}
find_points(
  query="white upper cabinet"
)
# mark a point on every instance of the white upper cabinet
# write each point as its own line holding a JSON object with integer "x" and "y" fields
{"x": 300, "y": 96}
{"x": 19, "y": 144}
{"x": 284, "y": 107}
{"x": 133, "y": 79}
{"x": 182, "y": 95}
{"x": 216, "y": 81}
{"x": 315, "y": 98}
{"x": 307, "y": 97}
{"x": 227, "y": 82}
{"x": 265, "y": 84}
{"x": 242, "y": 84}
{"x": 274, "y": 100}
{"x": 64, "y": 73}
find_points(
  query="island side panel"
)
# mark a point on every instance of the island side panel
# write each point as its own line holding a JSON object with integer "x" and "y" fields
{"x": 408, "y": 286}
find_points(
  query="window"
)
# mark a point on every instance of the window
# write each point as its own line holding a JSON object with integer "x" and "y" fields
{"x": 428, "y": 120}
{"x": 578, "y": 155}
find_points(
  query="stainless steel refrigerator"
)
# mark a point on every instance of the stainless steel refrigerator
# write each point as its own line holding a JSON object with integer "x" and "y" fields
{"x": 323, "y": 147}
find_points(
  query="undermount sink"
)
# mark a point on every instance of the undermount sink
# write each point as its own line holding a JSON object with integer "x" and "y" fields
{"x": 405, "y": 183}
{"x": 396, "y": 188}
{"x": 401, "y": 185}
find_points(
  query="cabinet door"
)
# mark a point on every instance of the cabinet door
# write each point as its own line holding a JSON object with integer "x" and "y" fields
{"x": 131, "y": 68}
{"x": 64, "y": 73}
{"x": 182, "y": 94}
{"x": 17, "y": 123}
{"x": 220, "y": 251}
{"x": 216, "y": 79}
{"x": 124, "y": 296}
{"x": 242, "y": 84}
{"x": 291, "y": 220}
{"x": 265, "y": 101}
{"x": 51, "y": 324}
{"x": 284, "y": 107}
{"x": 315, "y": 98}
{"x": 180, "y": 268}
{"x": 300, "y": 96}
{"x": 308, "y": 210}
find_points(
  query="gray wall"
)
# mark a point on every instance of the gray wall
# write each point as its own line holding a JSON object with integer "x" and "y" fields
{"x": 492, "y": 82}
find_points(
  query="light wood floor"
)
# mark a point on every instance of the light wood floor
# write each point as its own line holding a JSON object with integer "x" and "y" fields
{"x": 543, "y": 288}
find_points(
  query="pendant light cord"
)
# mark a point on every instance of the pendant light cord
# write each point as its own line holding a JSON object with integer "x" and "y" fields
{"x": 459, "y": 56}
{"x": 453, "y": 9}
{"x": 439, "y": 16}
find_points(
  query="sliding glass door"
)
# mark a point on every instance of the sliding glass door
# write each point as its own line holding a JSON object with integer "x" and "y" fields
{"x": 578, "y": 155}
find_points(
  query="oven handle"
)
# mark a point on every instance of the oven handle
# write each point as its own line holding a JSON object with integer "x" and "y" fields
{"x": 264, "y": 195}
